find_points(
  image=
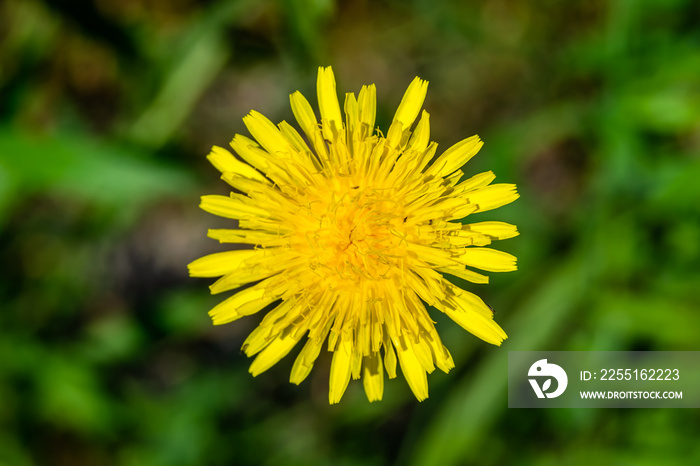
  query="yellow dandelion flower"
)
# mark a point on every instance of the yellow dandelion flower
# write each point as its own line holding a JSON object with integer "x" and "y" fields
{"x": 352, "y": 234}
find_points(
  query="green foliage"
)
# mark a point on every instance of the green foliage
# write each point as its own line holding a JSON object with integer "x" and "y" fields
{"x": 107, "y": 109}
{"x": 82, "y": 168}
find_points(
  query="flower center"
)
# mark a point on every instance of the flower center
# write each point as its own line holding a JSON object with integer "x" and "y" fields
{"x": 357, "y": 235}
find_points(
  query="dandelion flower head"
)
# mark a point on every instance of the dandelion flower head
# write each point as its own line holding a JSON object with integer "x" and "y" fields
{"x": 350, "y": 235}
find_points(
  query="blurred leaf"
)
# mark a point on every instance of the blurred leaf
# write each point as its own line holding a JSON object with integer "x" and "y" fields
{"x": 677, "y": 189}
{"x": 200, "y": 59}
{"x": 113, "y": 338}
{"x": 667, "y": 321}
{"x": 307, "y": 19}
{"x": 83, "y": 168}
{"x": 668, "y": 110}
{"x": 12, "y": 452}
{"x": 7, "y": 189}
{"x": 104, "y": 353}
{"x": 181, "y": 313}
{"x": 69, "y": 395}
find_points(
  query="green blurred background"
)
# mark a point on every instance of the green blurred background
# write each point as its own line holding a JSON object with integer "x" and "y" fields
{"x": 108, "y": 108}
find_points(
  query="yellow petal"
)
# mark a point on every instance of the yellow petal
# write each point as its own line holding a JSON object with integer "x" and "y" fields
{"x": 367, "y": 104}
{"x": 220, "y": 263}
{"x": 373, "y": 377}
{"x": 230, "y": 207}
{"x": 477, "y": 323}
{"x": 328, "y": 103}
{"x": 466, "y": 274}
{"x": 225, "y": 162}
{"x": 462, "y": 212}
{"x": 442, "y": 357}
{"x": 257, "y": 340}
{"x": 413, "y": 371}
{"x": 419, "y": 287}
{"x": 352, "y": 117}
{"x": 236, "y": 279}
{"x": 303, "y": 113}
{"x": 421, "y": 136}
{"x": 411, "y": 102}
{"x": 431, "y": 255}
{"x": 496, "y": 230}
{"x": 424, "y": 355}
{"x": 425, "y": 157}
{"x": 389, "y": 358}
{"x": 488, "y": 259}
{"x": 493, "y": 196}
{"x": 276, "y": 350}
{"x": 266, "y": 133}
{"x": 258, "y": 267}
{"x": 455, "y": 157}
{"x": 476, "y": 181}
{"x": 471, "y": 313}
{"x": 293, "y": 138}
{"x": 243, "y": 303}
{"x": 251, "y": 152}
{"x": 305, "y": 360}
{"x": 248, "y": 237}
{"x": 356, "y": 362}
{"x": 396, "y": 139}
{"x": 340, "y": 370}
